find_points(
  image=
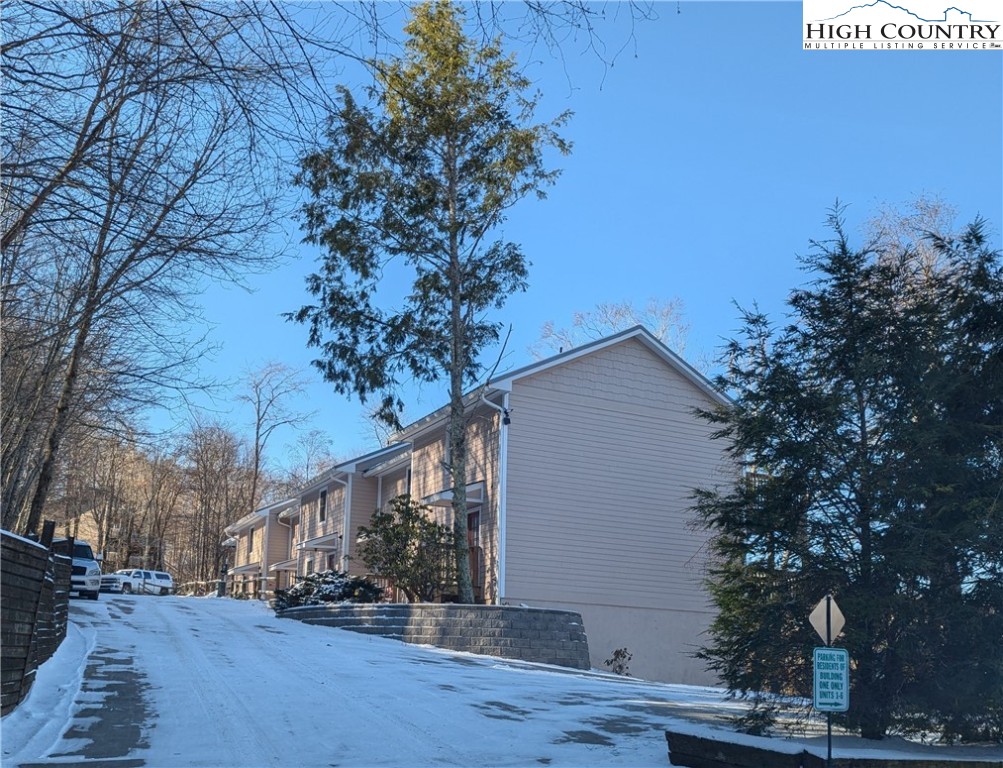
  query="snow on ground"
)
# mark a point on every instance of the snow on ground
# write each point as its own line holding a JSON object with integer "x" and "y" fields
{"x": 222, "y": 683}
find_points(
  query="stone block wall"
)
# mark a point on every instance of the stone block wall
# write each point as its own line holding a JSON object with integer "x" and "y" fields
{"x": 529, "y": 634}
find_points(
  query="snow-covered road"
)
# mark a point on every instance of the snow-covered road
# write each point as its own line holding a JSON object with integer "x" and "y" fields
{"x": 151, "y": 682}
{"x": 205, "y": 682}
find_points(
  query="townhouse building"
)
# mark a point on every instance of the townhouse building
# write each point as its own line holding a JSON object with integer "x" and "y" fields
{"x": 581, "y": 469}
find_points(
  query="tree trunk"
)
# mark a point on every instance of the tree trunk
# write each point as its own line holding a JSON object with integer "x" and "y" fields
{"x": 60, "y": 417}
{"x": 457, "y": 437}
{"x": 458, "y": 473}
{"x": 458, "y": 430}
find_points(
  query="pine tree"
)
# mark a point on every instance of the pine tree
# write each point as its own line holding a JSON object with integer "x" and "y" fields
{"x": 871, "y": 431}
{"x": 418, "y": 181}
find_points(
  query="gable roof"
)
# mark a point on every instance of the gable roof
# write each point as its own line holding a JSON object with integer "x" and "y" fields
{"x": 249, "y": 520}
{"x": 363, "y": 463}
{"x": 375, "y": 458}
{"x": 503, "y": 382}
{"x": 415, "y": 428}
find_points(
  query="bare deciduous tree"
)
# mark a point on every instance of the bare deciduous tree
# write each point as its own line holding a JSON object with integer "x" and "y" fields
{"x": 134, "y": 170}
{"x": 904, "y": 232}
{"x": 218, "y": 472}
{"x": 268, "y": 392}
{"x": 141, "y": 148}
{"x": 159, "y": 494}
{"x": 311, "y": 455}
{"x": 663, "y": 317}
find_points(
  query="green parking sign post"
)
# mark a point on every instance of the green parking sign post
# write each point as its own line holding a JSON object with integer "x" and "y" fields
{"x": 831, "y": 666}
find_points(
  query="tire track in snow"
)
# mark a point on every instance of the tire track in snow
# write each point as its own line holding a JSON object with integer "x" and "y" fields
{"x": 245, "y": 671}
{"x": 195, "y": 723}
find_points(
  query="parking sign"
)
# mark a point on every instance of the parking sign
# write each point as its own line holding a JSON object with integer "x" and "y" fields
{"x": 832, "y": 679}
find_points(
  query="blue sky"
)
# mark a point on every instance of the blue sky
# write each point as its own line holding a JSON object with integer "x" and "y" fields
{"x": 704, "y": 161}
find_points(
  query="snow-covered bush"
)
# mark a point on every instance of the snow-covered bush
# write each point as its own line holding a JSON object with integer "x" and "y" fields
{"x": 328, "y": 587}
{"x": 618, "y": 662}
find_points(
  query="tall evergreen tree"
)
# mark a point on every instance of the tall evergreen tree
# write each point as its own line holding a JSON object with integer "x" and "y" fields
{"x": 419, "y": 179}
{"x": 870, "y": 428}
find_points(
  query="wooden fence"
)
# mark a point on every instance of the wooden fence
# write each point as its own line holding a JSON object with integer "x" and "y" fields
{"x": 34, "y": 602}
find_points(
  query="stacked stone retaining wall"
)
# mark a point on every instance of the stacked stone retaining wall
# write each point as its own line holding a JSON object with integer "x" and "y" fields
{"x": 529, "y": 634}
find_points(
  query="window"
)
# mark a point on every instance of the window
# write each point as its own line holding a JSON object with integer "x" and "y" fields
{"x": 250, "y": 542}
{"x": 323, "y": 505}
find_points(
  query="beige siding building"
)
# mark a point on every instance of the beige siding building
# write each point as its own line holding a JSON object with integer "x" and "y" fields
{"x": 604, "y": 451}
{"x": 257, "y": 543}
{"x": 580, "y": 473}
{"x": 322, "y": 529}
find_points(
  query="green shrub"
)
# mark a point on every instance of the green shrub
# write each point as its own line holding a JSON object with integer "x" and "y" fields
{"x": 407, "y": 547}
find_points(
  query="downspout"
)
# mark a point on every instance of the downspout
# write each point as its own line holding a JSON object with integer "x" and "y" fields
{"x": 346, "y": 519}
{"x": 289, "y": 546}
{"x": 346, "y": 531}
{"x": 503, "y": 422}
